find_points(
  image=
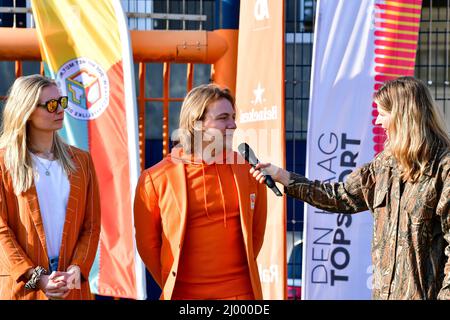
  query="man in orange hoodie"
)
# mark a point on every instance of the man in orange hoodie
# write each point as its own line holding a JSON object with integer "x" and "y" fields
{"x": 199, "y": 215}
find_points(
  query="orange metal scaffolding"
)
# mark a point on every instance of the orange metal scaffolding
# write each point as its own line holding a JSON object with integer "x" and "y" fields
{"x": 218, "y": 48}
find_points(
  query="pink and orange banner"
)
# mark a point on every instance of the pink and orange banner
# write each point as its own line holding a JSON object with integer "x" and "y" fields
{"x": 85, "y": 46}
{"x": 397, "y": 24}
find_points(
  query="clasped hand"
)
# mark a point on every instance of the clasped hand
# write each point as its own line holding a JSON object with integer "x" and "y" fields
{"x": 58, "y": 284}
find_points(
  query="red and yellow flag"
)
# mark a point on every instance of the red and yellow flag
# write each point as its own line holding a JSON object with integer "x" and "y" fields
{"x": 85, "y": 46}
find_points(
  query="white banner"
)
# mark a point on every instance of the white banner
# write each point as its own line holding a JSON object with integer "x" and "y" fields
{"x": 337, "y": 261}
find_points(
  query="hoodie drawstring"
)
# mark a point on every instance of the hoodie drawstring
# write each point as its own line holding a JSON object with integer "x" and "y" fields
{"x": 221, "y": 194}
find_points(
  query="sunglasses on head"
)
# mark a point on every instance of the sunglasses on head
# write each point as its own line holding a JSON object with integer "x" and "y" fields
{"x": 52, "y": 104}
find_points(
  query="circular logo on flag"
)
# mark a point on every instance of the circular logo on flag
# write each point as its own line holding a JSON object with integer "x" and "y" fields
{"x": 86, "y": 85}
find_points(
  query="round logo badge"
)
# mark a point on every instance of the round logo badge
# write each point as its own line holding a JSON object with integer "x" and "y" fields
{"x": 86, "y": 85}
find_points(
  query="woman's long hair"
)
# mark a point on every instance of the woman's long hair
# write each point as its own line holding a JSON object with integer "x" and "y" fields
{"x": 22, "y": 100}
{"x": 417, "y": 129}
{"x": 194, "y": 108}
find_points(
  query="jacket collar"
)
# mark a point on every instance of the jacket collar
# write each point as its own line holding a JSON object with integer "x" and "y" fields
{"x": 176, "y": 177}
{"x": 430, "y": 169}
{"x": 240, "y": 172}
{"x": 31, "y": 198}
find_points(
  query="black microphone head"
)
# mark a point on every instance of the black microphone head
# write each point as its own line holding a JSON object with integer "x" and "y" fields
{"x": 243, "y": 149}
{"x": 248, "y": 154}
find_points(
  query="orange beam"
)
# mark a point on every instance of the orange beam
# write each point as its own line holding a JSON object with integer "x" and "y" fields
{"x": 19, "y": 44}
{"x": 149, "y": 46}
{"x": 189, "y": 76}
{"x": 165, "y": 119}
{"x": 141, "y": 114}
{"x": 19, "y": 69}
{"x": 224, "y": 70}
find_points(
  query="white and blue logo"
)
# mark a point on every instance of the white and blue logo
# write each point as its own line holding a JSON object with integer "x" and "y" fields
{"x": 87, "y": 87}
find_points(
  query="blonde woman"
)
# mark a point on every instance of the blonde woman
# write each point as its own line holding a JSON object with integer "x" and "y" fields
{"x": 199, "y": 215}
{"x": 407, "y": 189}
{"x": 49, "y": 210}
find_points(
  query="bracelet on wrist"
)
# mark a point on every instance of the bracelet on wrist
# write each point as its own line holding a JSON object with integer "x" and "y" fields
{"x": 38, "y": 272}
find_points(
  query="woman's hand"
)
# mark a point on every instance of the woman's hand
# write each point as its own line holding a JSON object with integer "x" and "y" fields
{"x": 278, "y": 174}
{"x": 58, "y": 285}
{"x": 263, "y": 169}
{"x": 74, "y": 277}
{"x": 54, "y": 285}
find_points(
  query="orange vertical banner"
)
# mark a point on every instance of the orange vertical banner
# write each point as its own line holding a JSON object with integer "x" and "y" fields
{"x": 260, "y": 121}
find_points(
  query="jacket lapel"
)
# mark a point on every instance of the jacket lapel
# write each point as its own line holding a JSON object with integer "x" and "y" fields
{"x": 176, "y": 178}
{"x": 76, "y": 182}
{"x": 241, "y": 178}
{"x": 75, "y": 193}
{"x": 31, "y": 198}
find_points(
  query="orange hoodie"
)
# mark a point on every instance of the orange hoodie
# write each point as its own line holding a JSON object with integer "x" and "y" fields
{"x": 161, "y": 219}
{"x": 213, "y": 262}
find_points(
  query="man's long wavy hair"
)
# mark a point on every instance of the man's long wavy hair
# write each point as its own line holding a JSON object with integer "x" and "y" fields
{"x": 22, "y": 101}
{"x": 417, "y": 130}
{"x": 194, "y": 108}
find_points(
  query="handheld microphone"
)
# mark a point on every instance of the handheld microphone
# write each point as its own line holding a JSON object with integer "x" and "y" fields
{"x": 248, "y": 154}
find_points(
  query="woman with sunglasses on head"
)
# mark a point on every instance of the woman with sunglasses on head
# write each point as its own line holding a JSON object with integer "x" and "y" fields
{"x": 49, "y": 199}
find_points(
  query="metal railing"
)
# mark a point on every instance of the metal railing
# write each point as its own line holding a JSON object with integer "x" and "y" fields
{"x": 142, "y": 19}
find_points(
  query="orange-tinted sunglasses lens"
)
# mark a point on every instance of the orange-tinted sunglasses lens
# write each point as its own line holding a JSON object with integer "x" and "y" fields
{"x": 52, "y": 104}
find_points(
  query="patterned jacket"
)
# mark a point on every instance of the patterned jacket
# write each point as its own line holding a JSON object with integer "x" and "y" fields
{"x": 22, "y": 235}
{"x": 411, "y": 235}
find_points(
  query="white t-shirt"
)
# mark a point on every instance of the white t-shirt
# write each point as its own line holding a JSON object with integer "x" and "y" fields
{"x": 53, "y": 194}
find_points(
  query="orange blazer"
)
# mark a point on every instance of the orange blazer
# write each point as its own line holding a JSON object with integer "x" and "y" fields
{"x": 160, "y": 209}
{"x": 22, "y": 236}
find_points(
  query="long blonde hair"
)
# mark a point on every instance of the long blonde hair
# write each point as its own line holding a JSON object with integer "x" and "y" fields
{"x": 22, "y": 100}
{"x": 417, "y": 130}
{"x": 194, "y": 107}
